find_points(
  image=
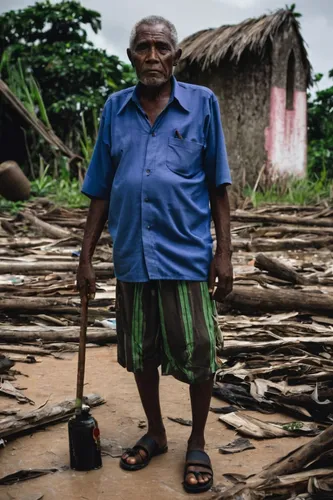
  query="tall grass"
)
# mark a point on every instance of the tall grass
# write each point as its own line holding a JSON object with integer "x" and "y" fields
{"x": 25, "y": 87}
{"x": 27, "y": 90}
{"x": 294, "y": 191}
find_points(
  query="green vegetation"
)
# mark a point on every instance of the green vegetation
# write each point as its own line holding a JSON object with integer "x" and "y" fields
{"x": 61, "y": 78}
{"x": 293, "y": 191}
{"x": 64, "y": 191}
{"x": 50, "y": 41}
{"x": 320, "y": 131}
{"x": 293, "y": 426}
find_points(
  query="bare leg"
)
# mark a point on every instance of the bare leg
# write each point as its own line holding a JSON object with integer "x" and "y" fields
{"x": 200, "y": 400}
{"x": 148, "y": 387}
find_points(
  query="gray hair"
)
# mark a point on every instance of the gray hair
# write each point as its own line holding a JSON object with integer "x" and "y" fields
{"x": 153, "y": 21}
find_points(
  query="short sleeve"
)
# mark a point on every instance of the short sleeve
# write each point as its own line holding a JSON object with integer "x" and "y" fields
{"x": 216, "y": 159}
{"x": 99, "y": 176}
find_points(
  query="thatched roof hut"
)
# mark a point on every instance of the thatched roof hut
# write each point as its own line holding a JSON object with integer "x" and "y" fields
{"x": 259, "y": 70}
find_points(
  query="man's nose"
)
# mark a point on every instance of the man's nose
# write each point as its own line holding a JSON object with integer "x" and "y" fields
{"x": 152, "y": 56}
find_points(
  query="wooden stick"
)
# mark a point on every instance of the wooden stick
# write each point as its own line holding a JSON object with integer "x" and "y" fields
{"x": 82, "y": 353}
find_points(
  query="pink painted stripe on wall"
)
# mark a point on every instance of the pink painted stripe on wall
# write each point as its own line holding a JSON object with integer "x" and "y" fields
{"x": 286, "y": 136}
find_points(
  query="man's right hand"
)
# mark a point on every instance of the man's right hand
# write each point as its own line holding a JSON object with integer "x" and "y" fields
{"x": 86, "y": 280}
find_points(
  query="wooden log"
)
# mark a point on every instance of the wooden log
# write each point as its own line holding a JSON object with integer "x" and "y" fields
{"x": 24, "y": 242}
{"x": 23, "y": 349}
{"x": 45, "y": 227}
{"x": 236, "y": 346}
{"x": 243, "y": 216}
{"x": 40, "y": 242}
{"x": 271, "y": 244}
{"x": 256, "y": 300}
{"x": 95, "y": 335}
{"x": 21, "y": 358}
{"x": 77, "y": 223}
{"x": 282, "y": 230}
{"x": 291, "y": 463}
{"x": 21, "y": 304}
{"x": 279, "y": 244}
{"x": 42, "y": 268}
{"x": 278, "y": 269}
{"x": 13, "y": 425}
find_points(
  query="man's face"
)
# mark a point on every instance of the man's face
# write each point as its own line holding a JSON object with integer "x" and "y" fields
{"x": 153, "y": 55}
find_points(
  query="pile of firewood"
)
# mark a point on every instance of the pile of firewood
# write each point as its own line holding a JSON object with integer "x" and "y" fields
{"x": 277, "y": 325}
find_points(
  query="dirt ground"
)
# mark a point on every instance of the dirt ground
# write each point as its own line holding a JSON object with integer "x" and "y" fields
{"x": 118, "y": 420}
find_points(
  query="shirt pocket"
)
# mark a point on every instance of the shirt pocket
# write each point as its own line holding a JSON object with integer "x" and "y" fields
{"x": 184, "y": 157}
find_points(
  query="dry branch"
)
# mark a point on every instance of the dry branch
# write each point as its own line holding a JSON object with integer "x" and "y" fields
{"x": 48, "y": 229}
{"x": 49, "y": 414}
{"x": 276, "y": 268}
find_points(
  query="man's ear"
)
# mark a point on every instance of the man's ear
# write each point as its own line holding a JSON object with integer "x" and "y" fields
{"x": 177, "y": 57}
{"x": 129, "y": 55}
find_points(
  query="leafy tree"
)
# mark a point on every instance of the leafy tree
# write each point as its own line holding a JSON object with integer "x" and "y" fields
{"x": 51, "y": 42}
{"x": 320, "y": 131}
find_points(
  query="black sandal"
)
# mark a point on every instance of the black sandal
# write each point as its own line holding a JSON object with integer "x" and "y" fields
{"x": 198, "y": 458}
{"x": 147, "y": 444}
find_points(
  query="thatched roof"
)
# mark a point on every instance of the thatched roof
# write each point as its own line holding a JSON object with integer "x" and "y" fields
{"x": 209, "y": 47}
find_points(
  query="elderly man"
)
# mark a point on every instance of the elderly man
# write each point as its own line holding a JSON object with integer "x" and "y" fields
{"x": 158, "y": 173}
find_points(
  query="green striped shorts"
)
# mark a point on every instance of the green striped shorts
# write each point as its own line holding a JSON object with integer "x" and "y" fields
{"x": 170, "y": 323}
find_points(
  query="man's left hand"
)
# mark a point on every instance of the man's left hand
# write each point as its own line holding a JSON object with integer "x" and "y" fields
{"x": 221, "y": 267}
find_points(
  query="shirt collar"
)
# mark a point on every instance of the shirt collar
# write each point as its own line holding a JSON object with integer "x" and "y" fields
{"x": 178, "y": 93}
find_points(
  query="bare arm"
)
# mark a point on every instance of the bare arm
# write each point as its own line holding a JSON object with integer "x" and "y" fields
{"x": 97, "y": 217}
{"x": 221, "y": 265}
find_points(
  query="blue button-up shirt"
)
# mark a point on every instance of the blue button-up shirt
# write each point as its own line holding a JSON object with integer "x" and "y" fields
{"x": 157, "y": 180}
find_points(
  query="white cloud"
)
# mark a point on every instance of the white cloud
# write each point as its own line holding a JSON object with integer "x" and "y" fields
{"x": 242, "y": 4}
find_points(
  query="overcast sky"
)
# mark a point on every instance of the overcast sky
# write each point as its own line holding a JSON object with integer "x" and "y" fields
{"x": 189, "y": 16}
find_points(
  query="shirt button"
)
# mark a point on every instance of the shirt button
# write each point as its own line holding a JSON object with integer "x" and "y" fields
{"x": 146, "y": 200}
{"x": 154, "y": 134}
{"x": 148, "y": 227}
{"x": 147, "y": 171}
